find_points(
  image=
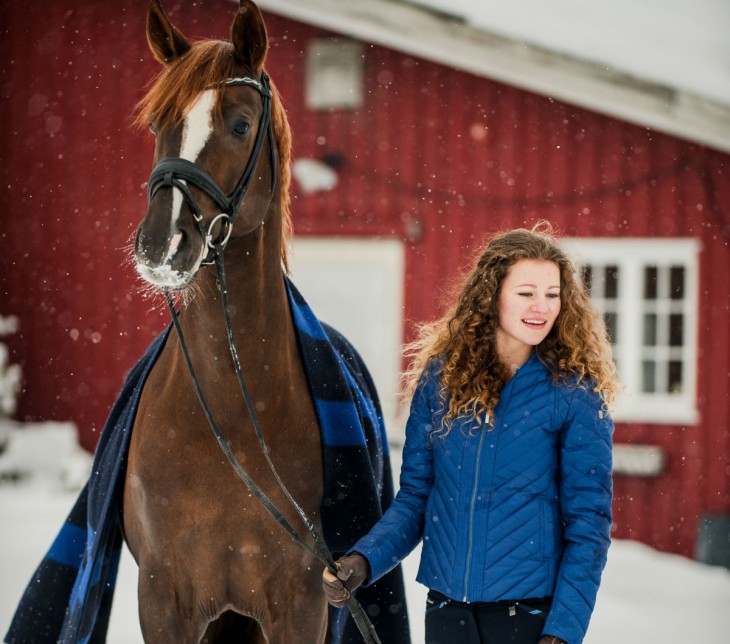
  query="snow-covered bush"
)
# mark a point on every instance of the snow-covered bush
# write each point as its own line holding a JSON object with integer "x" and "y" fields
{"x": 9, "y": 374}
{"x": 47, "y": 453}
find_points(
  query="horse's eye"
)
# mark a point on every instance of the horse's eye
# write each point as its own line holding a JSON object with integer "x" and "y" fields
{"x": 240, "y": 128}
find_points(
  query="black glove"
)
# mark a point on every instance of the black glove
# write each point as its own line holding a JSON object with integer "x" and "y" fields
{"x": 352, "y": 571}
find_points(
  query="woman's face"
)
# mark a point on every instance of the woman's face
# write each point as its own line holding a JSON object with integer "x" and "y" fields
{"x": 529, "y": 304}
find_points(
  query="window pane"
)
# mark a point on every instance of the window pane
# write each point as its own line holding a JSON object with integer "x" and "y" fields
{"x": 650, "y": 279}
{"x": 587, "y": 278}
{"x": 646, "y": 291}
{"x": 676, "y": 330}
{"x": 611, "y": 326}
{"x": 650, "y": 320}
{"x": 648, "y": 376}
{"x": 610, "y": 291}
{"x": 676, "y": 282}
{"x": 674, "y": 384}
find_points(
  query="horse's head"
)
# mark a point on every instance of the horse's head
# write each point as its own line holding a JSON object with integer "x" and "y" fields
{"x": 217, "y": 169}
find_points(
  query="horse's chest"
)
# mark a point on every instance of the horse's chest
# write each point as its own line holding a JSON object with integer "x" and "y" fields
{"x": 184, "y": 488}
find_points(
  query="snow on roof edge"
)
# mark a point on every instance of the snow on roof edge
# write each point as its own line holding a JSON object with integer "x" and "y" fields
{"x": 436, "y": 37}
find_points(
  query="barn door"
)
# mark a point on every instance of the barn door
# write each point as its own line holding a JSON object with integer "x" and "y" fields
{"x": 356, "y": 286}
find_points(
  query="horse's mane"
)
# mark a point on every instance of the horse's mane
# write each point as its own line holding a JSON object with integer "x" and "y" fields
{"x": 175, "y": 88}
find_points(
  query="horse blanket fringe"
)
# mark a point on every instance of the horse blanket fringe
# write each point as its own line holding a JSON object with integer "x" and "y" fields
{"x": 69, "y": 597}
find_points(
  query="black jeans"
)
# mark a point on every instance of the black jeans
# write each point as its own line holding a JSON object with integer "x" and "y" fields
{"x": 508, "y": 622}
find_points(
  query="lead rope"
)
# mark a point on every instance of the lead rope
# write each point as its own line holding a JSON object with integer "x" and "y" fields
{"x": 322, "y": 553}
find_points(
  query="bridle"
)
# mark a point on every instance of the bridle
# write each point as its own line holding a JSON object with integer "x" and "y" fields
{"x": 173, "y": 172}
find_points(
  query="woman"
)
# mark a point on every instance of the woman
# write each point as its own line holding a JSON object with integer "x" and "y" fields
{"x": 506, "y": 472}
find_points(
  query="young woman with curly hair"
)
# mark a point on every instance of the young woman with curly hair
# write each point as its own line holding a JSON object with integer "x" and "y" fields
{"x": 506, "y": 472}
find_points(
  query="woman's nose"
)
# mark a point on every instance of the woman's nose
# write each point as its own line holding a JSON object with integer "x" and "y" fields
{"x": 539, "y": 304}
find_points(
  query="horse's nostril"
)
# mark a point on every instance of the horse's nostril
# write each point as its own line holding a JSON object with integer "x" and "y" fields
{"x": 141, "y": 248}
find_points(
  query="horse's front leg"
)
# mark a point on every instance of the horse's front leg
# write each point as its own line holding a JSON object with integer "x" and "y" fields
{"x": 297, "y": 610}
{"x": 165, "y": 613}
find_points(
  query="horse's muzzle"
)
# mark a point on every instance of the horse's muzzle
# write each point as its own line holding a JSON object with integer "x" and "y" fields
{"x": 169, "y": 264}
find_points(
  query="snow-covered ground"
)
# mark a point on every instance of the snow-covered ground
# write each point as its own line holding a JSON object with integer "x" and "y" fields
{"x": 646, "y": 596}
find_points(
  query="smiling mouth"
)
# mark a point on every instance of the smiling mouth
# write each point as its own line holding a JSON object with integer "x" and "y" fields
{"x": 535, "y": 324}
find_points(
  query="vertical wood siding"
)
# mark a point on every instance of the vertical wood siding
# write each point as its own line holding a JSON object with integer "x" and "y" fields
{"x": 435, "y": 157}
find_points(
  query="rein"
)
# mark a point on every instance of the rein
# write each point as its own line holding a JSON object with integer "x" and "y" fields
{"x": 172, "y": 173}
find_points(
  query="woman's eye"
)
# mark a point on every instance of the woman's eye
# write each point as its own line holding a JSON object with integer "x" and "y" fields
{"x": 525, "y": 294}
{"x": 240, "y": 128}
{"x": 152, "y": 127}
{"x": 553, "y": 295}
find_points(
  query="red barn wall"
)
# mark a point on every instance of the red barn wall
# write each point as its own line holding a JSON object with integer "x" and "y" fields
{"x": 435, "y": 157}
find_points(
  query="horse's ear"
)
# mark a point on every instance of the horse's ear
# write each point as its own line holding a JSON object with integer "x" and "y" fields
{"x": 165, "y": 41}
{"x": 248, "y": 35}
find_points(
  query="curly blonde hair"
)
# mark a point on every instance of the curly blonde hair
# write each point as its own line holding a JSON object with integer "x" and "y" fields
{"x": 462, "y": 343}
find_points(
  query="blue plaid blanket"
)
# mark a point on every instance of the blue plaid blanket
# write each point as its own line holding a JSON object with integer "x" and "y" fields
{"x": 69, "y": 597}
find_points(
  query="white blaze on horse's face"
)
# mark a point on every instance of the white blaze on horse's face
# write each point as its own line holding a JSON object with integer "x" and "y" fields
{"x": 197, "y": 128}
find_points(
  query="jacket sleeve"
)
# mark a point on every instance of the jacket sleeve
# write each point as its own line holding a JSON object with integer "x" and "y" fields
{"x": 585, "y": 505}
{"x": 400, "y": 529}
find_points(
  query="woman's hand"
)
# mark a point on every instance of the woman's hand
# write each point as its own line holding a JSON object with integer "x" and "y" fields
{"x": 352, "y": 571}
{"x": 551, "y": 639}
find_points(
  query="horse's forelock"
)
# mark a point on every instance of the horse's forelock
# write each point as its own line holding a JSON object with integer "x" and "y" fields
{"x": 175, "y": 89}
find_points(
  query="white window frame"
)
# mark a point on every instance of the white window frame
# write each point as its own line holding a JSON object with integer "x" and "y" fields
{"x": 632, "y": 256}
{"x": 334, "y": 74}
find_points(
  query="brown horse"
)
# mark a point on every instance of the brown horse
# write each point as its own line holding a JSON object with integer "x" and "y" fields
{"x": 213, "y": 565}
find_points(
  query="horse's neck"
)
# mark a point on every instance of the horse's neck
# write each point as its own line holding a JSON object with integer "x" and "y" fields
{"x": 258, "y": 305}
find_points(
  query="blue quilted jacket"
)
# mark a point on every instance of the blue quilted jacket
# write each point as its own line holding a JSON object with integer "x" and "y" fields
{"x": 521, "y": 509}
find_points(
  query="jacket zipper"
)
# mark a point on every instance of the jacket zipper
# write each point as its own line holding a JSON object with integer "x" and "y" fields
{"x": 471, "y": 516}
